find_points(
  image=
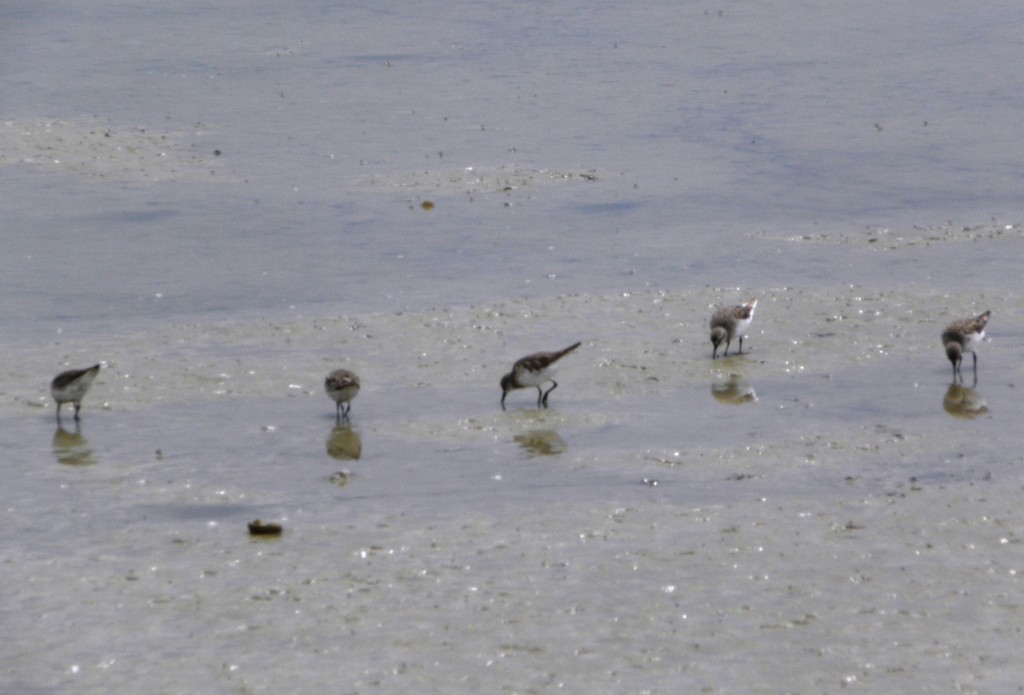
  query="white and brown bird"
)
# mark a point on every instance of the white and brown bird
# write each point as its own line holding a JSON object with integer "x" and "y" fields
{"x": 71, "y": 387}
{"x": 961, "y": 336}
{"x": 342, "y": 386}
{"x": 534, "y": 370}
{"x": 730, "y": 322}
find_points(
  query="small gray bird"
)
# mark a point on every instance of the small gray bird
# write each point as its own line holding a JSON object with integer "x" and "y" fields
{"x": 342, "y": 386}
{"x": 534, "y": 370}
{"x": 729, "y": 322}
{"x": 71, "y": 387}
{"x": 961, "y": 336}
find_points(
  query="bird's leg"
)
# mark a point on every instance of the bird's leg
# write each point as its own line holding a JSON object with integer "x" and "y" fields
{"x": 554, "y": 385}
{"x": 77, "y": 406}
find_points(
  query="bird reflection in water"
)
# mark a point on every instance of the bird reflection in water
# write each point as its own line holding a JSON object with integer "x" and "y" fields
{"x": 541, "y": 443}
{"x": 71, "y": 448}
{"x": 344, "y": 443}
{"x": 961, "y": 401}
{"x": 734, "y": 391}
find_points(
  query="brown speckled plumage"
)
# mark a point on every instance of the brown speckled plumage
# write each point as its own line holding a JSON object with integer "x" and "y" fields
{"x": 534, "y": 370}
{"x": 961, "y": 336}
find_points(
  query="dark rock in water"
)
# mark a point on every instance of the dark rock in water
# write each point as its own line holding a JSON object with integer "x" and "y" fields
{"x": 258, "y": 528}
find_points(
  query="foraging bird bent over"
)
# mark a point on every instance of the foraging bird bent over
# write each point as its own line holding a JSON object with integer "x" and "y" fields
{"x": 71, "y": 387}
{"x": 534, "y": 370}
{"x": 342, "y": 386}
{"x": 961, "y": 336}
{"x": 729, "y": 322}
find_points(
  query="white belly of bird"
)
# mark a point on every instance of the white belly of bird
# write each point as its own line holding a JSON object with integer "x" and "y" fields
{"x": 525, "y": 377}
{"x": 975, "y": 339}
{"x": 72, "y": 392}
{"x": 741, "y": 327}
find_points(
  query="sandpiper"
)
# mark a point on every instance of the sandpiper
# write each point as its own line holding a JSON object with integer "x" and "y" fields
{"x": 342, "y": 386}
{"x": 961, "y": 336}
{"x": 534, "y": 370}
{"x": 729, "y": 322}
{"x": 71, "y": 387}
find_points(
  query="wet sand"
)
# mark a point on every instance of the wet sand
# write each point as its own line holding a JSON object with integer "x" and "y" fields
{"x": 856, "y": 524}
{"x": 910, "y": 591}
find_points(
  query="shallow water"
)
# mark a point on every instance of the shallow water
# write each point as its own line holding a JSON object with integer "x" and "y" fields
{"x": 223, "y": 204}
{"x": 641, "y": 521}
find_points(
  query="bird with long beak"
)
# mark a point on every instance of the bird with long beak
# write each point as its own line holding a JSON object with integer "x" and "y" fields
{"x": 534, "y": 370}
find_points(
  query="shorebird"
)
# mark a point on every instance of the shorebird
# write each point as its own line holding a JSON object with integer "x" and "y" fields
{"x": 342, "y": 386}
{"x": 534, "y": 370}
{"x": 961, "y": 336}
{"x": 71, "y": 387}
{"x": 729, "y": 322}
